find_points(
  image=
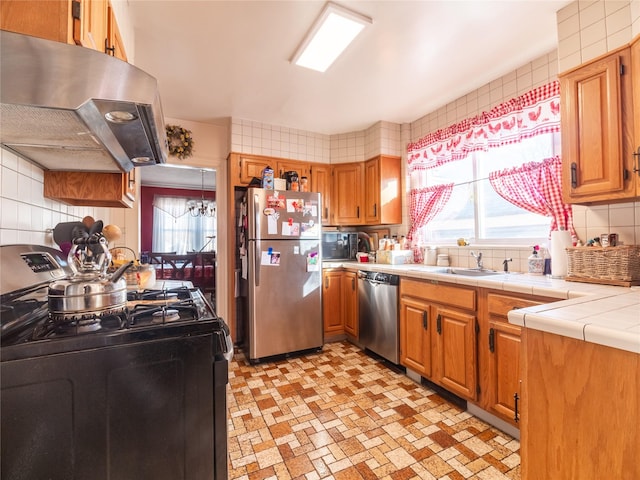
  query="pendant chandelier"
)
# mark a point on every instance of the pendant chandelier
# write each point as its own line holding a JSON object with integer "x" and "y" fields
{"x": 203, "y": 208}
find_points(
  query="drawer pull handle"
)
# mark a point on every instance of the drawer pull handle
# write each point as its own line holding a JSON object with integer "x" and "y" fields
{"x": 439, "y": 324}
{"x": 425, "y": 317}
{"x": 516, "y": 415}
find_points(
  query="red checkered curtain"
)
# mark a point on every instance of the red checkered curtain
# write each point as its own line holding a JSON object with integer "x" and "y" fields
{"x": 536, "y": 187}
{"x": 424, "y": 205}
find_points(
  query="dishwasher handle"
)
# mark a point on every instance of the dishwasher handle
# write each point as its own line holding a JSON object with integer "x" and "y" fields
{"x": 379, "y": 278}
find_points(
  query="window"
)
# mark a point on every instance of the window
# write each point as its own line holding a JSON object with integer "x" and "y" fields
{"x": 175, "y": 230}
{"x": 475, "y": 211}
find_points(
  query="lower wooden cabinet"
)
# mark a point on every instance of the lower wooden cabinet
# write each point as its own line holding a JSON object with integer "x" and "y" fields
{"x": 350, "y": 303}
{"x": 455, "y": 351}
{"x": 339, "y": 302}
{"x": 91, "y": 188}
{"x": 580, "y": 410}
{"x": 438, "y": 334}
{"x": 415, "y": 335}
{"x": 499, "y": 349}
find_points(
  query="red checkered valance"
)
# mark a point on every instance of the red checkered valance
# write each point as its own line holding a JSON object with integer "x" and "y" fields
{"x": 531, "y": 114}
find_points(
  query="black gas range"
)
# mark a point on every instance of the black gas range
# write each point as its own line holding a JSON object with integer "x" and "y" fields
{"x": 135, "y": 393}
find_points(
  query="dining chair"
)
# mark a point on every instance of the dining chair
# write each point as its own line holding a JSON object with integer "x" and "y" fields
{"x": 180, "y": 266}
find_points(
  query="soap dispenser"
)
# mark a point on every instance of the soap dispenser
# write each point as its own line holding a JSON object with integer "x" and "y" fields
{"x": 535, "y": 262}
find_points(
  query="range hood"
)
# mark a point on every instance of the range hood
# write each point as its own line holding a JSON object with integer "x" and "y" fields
{"x": 66, "y": 107}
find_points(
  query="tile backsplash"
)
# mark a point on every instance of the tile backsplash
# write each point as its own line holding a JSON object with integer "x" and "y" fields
{"x": 25, "y": 215}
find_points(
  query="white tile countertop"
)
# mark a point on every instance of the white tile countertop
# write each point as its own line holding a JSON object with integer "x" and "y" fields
{"x": 602, "y": 314}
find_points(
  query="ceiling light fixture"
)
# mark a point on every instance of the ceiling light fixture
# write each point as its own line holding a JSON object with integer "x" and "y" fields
{"x": 330, "y": 35}
{"x": 203, "y": 208}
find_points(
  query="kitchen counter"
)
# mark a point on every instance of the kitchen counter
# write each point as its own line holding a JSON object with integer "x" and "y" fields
{"x": 600, "y": 314}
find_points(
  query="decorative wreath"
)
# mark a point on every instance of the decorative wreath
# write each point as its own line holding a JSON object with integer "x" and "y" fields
{"x": 180, "y": 141}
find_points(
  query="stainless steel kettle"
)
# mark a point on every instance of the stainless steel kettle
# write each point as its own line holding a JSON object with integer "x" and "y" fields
{"x": 89, "y": 291}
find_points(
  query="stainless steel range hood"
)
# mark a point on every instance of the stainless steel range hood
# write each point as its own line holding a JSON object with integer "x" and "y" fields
{"x": 66, "y": 107}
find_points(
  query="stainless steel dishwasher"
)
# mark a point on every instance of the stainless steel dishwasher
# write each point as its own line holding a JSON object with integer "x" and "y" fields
{"x": 378, "y": 313}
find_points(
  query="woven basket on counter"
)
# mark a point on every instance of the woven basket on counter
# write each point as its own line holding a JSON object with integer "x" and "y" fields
{"x": 606, "y": 265}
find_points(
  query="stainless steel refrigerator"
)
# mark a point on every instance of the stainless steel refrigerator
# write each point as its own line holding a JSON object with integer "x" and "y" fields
{"x": 284, "y": 272}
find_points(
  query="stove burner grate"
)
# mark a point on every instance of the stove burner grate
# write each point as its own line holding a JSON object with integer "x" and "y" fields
{"x": 143, "y": 314}
{"x": 87, "y": 324}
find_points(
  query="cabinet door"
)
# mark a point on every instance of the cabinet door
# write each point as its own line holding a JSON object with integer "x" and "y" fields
{"x": 115, "y": 45}
{"x": 251, "y": 167}
{"x": 332, "y": 302}
{"x": 347, "y": 194}
{"x": 415, "y": 333}
{"x": 372, "y": 191}
{"x": 93, "y": 25}
{"x": 47, "y": 19}
{"x": 455, "y": 346}
{"x": 302, "y": 168}
{"x": 321, "y": 183}
{"x": 350, "y": 303}
{"x": 382, "y": 199}
{"x": 635, "y": 74}
{"x": 90, "y": 188}
{"x": 504, "y": 369}
{"x": 129, "y": 184}
{"x": 596, "y": 118}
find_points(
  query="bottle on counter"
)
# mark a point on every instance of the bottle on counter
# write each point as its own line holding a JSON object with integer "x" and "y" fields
{"x": 304, "y": 184}
{"x": 535, "y": 262}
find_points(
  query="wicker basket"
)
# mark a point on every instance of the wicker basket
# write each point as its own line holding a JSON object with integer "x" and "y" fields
{"x": 607, "y": 265}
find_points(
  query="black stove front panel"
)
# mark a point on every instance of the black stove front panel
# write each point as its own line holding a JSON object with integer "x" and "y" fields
{"x": 141, "y": 410}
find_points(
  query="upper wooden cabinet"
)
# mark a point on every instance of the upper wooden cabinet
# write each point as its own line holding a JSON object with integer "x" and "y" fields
{"x": 89, "y": 23}
{"x": 115, "y": 45}
{"x": 635, "y": 73}
{"x": 91, "y": 189}
{"x": 382, "y": 201}
{"x": 249, "y": 167}
{"x": 367, "y": 193}
{"x": 355, "y": 193}
{"x": 321, "y": 183}
{"x": 346, "y": 194}
{"x": 597, "y": 130}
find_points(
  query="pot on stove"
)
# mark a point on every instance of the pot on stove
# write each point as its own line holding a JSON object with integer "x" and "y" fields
{"x": 89, "y": 292}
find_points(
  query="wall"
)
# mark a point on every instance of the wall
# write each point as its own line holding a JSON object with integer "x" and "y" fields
{"x": 262, "y": 139}
{"x": 27, "y": 217}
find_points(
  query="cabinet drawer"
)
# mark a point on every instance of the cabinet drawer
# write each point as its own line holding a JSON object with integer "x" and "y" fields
{"x": 443, "y": 294}
{"x": 501, "y": 305}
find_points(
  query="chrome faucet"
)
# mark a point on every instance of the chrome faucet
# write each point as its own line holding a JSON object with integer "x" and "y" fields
{"x": 478, "y": 258}
{"x": 505, "y": 264}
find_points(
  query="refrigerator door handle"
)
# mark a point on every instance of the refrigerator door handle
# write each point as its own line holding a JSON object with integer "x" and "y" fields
{"x": 257, "y": 257}
{"x": 256, "y": 216}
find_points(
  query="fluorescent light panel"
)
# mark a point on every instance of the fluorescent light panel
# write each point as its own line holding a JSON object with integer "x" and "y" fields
{"x": 332, "y": 32}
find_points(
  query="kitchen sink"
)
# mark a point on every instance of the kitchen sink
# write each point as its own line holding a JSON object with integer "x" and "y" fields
{"x": 472, "y": 272}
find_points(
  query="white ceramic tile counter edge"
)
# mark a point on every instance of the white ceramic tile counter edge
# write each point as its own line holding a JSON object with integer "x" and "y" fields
{"x": 601, "y": 314}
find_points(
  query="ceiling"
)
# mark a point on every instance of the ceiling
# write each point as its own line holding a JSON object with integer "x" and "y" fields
{"x": 220, "y": 59}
